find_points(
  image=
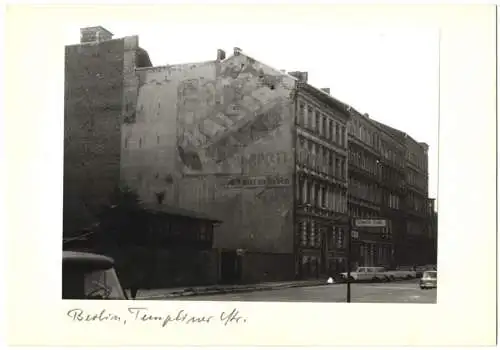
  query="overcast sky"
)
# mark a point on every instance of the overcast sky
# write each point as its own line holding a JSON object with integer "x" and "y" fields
{"x": 391, "y": 74}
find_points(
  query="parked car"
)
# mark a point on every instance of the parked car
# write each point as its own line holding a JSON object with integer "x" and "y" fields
{"x": 405, "y": 272}
{"x": 428, "y": 280}
{"x": 367, "y": 273}
{"x": 90, "y": 276}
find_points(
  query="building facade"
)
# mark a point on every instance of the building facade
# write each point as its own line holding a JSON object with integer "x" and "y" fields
{"x": 376, "y": 183}
{"x": 321, "y": 168}
{"x": 418, "y": 243}
{"x": 281, "y": 163}
{"x": 412, "y": 243}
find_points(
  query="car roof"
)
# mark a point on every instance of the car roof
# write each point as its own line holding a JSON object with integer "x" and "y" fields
{"x": 85, "y": 259}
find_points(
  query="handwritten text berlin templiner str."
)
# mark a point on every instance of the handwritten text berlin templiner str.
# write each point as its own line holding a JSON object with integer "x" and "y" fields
{"x": 143, "y": 315}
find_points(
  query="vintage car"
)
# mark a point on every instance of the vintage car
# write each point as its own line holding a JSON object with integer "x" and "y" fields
{"x": 90, "y": 276}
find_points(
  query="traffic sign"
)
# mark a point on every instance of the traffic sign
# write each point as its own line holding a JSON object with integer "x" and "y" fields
{"x": 370, "y": 223}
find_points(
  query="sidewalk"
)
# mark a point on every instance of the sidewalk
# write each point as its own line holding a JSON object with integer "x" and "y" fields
{"x": 170, "y": 293}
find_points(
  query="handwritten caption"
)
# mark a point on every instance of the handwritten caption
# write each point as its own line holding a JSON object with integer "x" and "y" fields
{"x": 143, "y": 315}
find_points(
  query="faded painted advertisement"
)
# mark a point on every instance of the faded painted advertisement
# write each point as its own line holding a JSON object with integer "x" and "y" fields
{"x": 221, "y": 132}
{"x": 218, "y": 119}
{"x": 235, "y": 132}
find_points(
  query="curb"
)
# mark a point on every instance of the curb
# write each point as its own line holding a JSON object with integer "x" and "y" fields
{"x": 221, "y": 290}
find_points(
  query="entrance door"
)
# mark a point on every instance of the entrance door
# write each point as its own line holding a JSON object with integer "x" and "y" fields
{"x": 231, "y": 267}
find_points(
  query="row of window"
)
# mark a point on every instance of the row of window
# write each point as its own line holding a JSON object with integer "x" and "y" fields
{"x": 421, "y": 162}
{"x": 362, "y": 190}
{"x": 371, "y": 138}
{"x": 320, "y": 158}
{"x": 392, "y": 177}
{"x": 390, "y": 153}
{"x": 416, "y": 179}
{"x": 358, "y": 130}
{"x": 416, "y": 203}
{"x": 322, "y": 195}
{"x": 324, "y": 126}
{"x": 367, "y": 163}
{"x": 310, "y": 233}
{"x": 393, "y": 201}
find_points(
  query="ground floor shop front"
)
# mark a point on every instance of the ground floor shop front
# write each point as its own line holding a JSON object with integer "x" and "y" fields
{"x": 322, "y": 248}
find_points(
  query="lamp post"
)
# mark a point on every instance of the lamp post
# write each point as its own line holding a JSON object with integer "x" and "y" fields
{"x": 349, "y": 250}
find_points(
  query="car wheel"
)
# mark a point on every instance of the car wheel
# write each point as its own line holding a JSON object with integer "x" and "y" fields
{"x": 375, "y": 279}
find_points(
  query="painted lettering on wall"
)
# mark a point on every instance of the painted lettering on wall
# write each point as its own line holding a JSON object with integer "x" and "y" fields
{"x": 263, "y": 159}
{"x": 258, "y": 181}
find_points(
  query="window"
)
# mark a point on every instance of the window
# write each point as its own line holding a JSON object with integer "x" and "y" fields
{"x": 318, "y": 122}
{"x": 331, "y": 130}
{"x": 337, "y": 133}
{"x": 324, "y": 129}
{"x": 310, "y": 115}
{"x": 343, "y": 137}
{"x": 301, "y": 120}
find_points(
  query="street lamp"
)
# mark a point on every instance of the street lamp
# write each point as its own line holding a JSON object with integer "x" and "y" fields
{"x": 349, "y": 251}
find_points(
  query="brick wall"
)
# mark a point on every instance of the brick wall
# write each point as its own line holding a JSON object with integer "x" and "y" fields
{"x": 92, "y": 118}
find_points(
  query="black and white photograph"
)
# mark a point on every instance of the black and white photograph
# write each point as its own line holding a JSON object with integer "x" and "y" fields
{"x": 221, "y": 177}
{"x": 249, "y": 162}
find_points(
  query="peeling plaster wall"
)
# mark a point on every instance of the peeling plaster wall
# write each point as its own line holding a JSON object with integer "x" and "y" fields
{"x": 216, "y": 137}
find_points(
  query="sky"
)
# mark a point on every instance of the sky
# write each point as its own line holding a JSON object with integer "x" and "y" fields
{"x": 389, "y": 73}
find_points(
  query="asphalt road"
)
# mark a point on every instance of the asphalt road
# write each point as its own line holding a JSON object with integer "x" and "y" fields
{"x": 394, "y": 292}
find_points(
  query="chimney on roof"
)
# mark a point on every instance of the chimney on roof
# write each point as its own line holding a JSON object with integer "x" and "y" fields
{"x": 302, "y": 76}
{"x": 236, "y": 51}
{"x": 94, "y": 35}
{"x": 367, "y": 115}
{"x": 221, "y": 55}
{"x": 327, "y": 90}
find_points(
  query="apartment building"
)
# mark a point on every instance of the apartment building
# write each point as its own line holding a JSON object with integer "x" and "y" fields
{"x": 321, "y": 180}
{"x": 281, "y": 163}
